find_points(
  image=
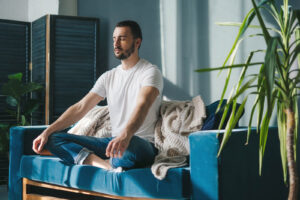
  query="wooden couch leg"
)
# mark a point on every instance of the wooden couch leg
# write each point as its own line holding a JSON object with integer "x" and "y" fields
{"x": 25, "y": 189}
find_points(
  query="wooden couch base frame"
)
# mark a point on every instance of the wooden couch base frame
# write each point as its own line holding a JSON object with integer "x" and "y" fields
{"x": 27, "y": 195}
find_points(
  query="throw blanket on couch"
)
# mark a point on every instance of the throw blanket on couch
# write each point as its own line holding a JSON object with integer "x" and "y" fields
{"x": 177, "y": 119}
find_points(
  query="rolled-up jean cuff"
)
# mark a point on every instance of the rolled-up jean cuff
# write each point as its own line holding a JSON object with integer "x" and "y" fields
{"x": 110, "y": 162}
{"x": 82, "y": 155}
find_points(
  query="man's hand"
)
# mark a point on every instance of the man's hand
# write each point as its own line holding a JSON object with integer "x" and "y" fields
{"x": 39, "y": 143}
{"x": 117, "y": 146}
{"x": 73, "y": 114}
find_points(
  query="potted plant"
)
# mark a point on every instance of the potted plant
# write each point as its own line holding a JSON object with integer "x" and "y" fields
{"x": 19, "y": 107}
{"x": 275, "y": 83}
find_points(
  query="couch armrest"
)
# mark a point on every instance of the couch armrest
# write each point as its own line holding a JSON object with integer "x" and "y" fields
{"x": 204, "y": 146}
{"x": 235, "y": 173}
{"x": 20, "y": 144}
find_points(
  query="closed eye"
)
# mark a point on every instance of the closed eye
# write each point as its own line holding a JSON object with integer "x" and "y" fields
{"x": 121, "y": 38}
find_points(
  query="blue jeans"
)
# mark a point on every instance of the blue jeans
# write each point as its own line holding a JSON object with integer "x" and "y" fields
{"x": 73, "y": 149}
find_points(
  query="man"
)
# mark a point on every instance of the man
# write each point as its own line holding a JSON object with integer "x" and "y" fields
{"x": 133, "y": 91}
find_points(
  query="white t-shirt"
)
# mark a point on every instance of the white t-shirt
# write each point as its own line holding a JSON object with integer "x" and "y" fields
{"x": 121, "y": 88}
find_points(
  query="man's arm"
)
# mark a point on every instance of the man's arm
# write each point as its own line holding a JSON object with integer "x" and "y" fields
{"x": 73, "y": 114}
{"x": 146, "y": 97}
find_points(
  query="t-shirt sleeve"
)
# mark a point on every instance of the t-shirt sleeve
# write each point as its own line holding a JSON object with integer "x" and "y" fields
{"x": 153, "y": 77}
{"x": 99, "y": 87}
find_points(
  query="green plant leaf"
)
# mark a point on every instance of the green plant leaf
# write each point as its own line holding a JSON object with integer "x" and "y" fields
{"x": 13, "y": 88}
{"x": 261, "y": 97}
{"x": 227, "y": 132}
{"x": 31, "y": 106}
{"x": 244, "y": 87}
{"x": 239, "y": 112}
{"x": 263, "y": 139}
{"x": 245, "y": 24}
{"x": 294, "y": 54}
{"x": 228, "y": 67}
{"x": 17, "y": 76}
{"x": 265, "y": 129}
{"x": 297, "y": 36}
{"x": 251, "y": 118}
{"x": 11, "y": 101}
{"x": 23, "y": 120}
{"x": 281, "y": 120}
{"x": 285, "y": 12}
{"x": 261, "y": 22}
{"x": 31, "y": 87}
{"x": 276, "y": 16}
{"x": 232, "y": 122}
{"x": 238, "y": 24}
{"x": 270, "y": 66}
{"x": 226, "y": 109}
{"x": 16, "y": 88}
{"x": 4, "y": 126}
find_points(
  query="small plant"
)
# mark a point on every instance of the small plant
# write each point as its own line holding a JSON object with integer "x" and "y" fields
{"x": 19, "y": 105}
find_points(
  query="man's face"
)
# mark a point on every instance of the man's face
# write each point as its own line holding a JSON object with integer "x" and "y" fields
{"x": 124, "y": 43}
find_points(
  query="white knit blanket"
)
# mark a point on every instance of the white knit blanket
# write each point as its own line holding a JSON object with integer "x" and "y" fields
{"x": 176, "y": 121}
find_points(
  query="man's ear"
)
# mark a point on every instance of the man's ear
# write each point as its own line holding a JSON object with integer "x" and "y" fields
{"x": 138, "y": 42}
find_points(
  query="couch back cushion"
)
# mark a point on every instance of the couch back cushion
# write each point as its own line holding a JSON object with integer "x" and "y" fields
{"x": 213, "y": 118}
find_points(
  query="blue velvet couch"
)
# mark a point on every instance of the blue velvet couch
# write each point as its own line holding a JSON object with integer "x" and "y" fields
{"x": 233, "y": 175}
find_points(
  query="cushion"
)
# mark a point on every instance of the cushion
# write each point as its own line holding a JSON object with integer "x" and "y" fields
{"x": 213, "y": 119}
{"x": 131, "y": 183}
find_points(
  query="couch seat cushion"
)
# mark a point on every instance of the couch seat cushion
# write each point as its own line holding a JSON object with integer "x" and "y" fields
{"x": 131, "y": 183}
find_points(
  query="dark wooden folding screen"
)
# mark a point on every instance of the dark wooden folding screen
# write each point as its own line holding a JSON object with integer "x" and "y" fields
{"x": 14, "y": 56}
{"x": 65, "y": 59}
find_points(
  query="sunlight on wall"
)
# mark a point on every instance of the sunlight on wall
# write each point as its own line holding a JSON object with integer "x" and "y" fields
{"x": 181, "y": 42}
{"x": 168, "y": 29}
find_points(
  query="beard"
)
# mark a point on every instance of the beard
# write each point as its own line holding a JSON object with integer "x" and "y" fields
{"x": 126, "y": 54}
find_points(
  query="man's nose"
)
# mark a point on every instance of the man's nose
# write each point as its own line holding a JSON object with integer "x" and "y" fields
{"x": 116, "y": 42}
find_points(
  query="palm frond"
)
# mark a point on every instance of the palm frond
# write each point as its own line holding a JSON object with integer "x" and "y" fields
{"x": 228, "y": 67}
{"x": 233, "y": 120}
{"x": 261, "y": 22}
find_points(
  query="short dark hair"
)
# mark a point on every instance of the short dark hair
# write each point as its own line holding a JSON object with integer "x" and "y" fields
{"x": 134, "y": 27}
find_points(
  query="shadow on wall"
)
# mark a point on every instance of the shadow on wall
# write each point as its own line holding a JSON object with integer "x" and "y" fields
{"x": 105, "y": 42}
{"x": 185, "y": 43}
{"x": 173, "y": 92}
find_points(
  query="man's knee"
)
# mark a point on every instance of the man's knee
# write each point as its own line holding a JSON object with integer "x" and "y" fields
{"x": 141, "y": 148}
{"x": 53, "y": 140}
{"x": 140, "y": 153}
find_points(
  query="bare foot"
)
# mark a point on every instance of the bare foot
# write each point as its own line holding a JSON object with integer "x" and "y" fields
{"x": 96, "y": 161}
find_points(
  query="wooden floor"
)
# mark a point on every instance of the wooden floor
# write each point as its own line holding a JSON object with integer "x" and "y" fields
{"x": 32, "y": 190}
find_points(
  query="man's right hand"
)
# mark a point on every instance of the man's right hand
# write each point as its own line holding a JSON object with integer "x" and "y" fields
{"x": 39, "y": 143}
{"x": 69, "y": 117}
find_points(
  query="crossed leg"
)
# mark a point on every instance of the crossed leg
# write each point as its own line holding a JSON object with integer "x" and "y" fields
{"x": 77, "y": 149}
{"x": 96, "y": 161}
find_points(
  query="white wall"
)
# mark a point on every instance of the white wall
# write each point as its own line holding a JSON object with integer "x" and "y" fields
{"x": 30, "y": 10}
{"x": 38, "y": 8}
{"x": 14, "y": 10}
